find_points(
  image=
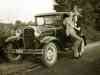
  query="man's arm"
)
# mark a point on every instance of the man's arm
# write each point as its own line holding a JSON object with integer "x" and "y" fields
{"x": 77, "y": 28}
{"x": 74, "y": 26}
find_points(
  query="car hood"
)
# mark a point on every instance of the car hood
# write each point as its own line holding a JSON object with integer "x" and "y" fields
{"x": 40, "y": 29}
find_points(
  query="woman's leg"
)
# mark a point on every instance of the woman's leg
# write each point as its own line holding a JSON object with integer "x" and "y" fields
{"x": 76, "y": 44}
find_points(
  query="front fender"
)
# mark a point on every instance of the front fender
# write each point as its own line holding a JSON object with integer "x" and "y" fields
{"x": 47, "y": 39}
{"x": 11, "y": 39}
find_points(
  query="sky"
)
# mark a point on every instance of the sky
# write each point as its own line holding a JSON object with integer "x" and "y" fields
{"x": 24, "y": 10}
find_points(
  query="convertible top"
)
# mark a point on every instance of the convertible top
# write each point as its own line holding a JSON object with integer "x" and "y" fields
{"x": 53, "y": 14}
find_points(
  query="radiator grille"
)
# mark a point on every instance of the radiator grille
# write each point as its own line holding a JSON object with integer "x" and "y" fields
{"x": 28, "y": 38}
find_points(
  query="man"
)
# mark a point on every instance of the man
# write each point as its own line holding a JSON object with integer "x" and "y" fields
{"x": 71, "y": 28}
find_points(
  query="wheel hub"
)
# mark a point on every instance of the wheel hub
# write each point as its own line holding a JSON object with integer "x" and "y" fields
{"x": 51, "y": 54}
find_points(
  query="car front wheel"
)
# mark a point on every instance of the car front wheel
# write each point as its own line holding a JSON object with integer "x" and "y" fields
{"x": 49, "y": 55}
{"x": 10, "y": 56}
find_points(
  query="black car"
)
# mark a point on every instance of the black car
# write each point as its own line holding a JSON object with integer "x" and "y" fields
{"x": 44, "y": 39}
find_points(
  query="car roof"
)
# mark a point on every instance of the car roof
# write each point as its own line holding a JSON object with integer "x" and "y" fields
{"x": 53, "y": 14}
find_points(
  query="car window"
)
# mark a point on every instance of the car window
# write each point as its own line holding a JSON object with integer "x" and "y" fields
{"x": 48, "y": 20}
{"x": 40, "y": 20}
{"x": 52, "y": 19}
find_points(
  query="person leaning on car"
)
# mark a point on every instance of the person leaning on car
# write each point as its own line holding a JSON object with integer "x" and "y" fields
{"x": 70, "y": 23}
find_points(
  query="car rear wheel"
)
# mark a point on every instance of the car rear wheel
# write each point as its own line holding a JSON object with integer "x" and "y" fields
{"x": 10, "y": 56}
{"x": 49, "y": 56}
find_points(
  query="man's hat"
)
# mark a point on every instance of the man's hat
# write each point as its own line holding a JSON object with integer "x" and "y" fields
{"x": 77, "y": 11}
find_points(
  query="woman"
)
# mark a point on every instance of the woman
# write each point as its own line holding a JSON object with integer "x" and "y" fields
{"x": 70, "y": 22}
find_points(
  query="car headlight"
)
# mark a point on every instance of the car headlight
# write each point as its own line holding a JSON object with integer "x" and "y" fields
{"x": 18, "y": 32}
{"x": 37, "y": 32}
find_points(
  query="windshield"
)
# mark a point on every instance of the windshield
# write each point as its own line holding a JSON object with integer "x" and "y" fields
{"x": 40, "y": 20}
{"x": 48, "y": 20}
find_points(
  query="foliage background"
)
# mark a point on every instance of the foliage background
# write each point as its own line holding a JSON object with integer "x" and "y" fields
{"x": 9, "y": 29}
{"x": 90, "y": 20}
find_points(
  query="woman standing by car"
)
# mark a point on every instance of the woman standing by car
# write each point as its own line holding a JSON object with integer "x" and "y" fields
{"x": 71, "y": 28}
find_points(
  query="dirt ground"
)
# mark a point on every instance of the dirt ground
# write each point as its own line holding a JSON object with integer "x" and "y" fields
{"x": 88, "y": 64}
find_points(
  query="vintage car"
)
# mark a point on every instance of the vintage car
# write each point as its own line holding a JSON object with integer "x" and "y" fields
{"x": 44, "y": 39}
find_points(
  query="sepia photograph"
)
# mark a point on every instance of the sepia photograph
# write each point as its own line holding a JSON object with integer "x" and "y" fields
{"x": 49, "y": 37}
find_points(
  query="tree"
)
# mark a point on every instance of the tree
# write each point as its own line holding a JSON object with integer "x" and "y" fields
{"x": 90, "y": 20}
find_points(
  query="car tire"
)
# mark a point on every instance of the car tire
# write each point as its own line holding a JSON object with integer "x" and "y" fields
{"x": 15, "y": 58}
{"x": 49, "y": 54}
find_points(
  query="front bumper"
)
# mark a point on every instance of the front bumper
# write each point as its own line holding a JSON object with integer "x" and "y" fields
{"x": 25, "y": 51}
